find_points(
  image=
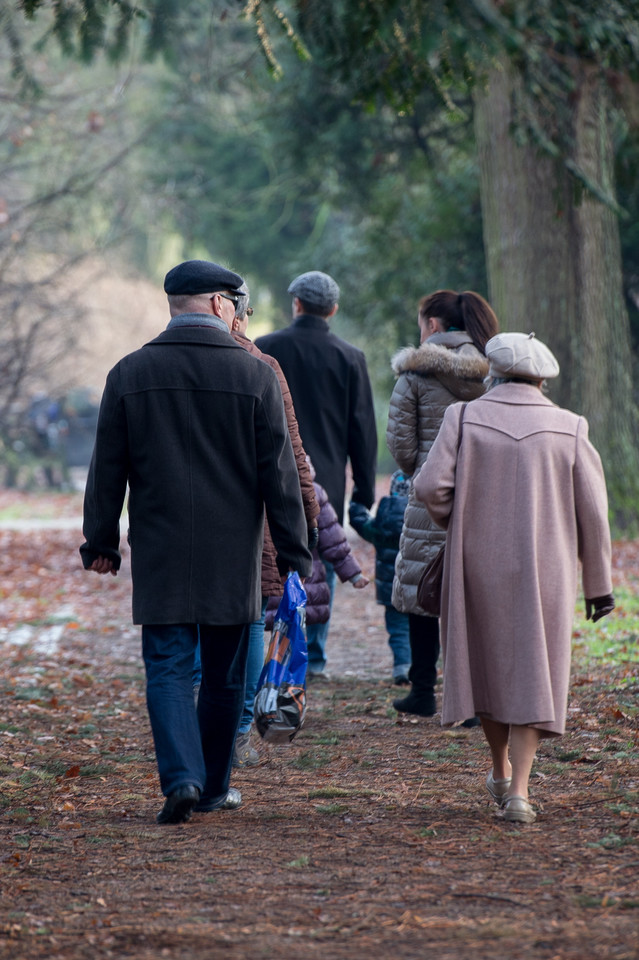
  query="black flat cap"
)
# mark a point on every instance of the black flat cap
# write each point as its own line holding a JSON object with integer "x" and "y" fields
{"x": 200, "y": 276}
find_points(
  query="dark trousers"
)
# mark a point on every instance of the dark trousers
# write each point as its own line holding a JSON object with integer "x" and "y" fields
{"x": 424, "y": 649}
{"x": 192, "y": 746}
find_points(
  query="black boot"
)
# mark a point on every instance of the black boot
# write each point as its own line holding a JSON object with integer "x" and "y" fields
{"x": 471, "y": 722}
{"x": 424, "y": 648}
{"x": 420, "y": 702}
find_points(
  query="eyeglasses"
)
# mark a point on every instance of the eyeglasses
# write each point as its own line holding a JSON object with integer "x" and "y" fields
{"x": 234, "y": 300}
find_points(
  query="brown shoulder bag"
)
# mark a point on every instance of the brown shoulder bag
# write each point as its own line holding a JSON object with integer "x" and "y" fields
{"x": 429, "y": 588}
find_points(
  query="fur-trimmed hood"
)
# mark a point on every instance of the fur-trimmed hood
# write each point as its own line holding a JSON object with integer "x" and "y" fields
{"x": 451, "y": 357}
{"x": 442, "y": 353}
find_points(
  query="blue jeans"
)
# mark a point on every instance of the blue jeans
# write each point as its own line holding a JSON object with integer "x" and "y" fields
{"x": 192, "y": 746}
{"x": 254, "y": 664}
{"x": 398, "y": 639}
{"x": 317, "y": 633}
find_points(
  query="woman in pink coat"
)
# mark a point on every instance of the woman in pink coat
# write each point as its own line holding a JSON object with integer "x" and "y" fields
{"x": 529, "y": 499}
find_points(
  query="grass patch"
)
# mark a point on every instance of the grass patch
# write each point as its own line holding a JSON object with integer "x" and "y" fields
{"x": 613, "y": 841}
{"x": 21, "y": 814}
{"x": 302, "y": 861}
{"x": 33, "y": 693}
{"x": 443, "y": 753}
{"x": 612, "y": 640}
{"x": 567, "y": 756}
{"x": 29, "y": 777}
{"x": 55, "y": 768}
{"x": 312, "y": 759}
{"x": 97, "y": 770}
{"x": 333, "y": 809}
{"x": 328, "y": 793}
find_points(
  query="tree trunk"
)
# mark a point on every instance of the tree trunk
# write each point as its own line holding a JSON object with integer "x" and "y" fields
{"x": 554, "y": 267}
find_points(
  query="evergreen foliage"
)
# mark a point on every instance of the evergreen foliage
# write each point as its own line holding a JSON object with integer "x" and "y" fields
{"x": 398, "y": 48}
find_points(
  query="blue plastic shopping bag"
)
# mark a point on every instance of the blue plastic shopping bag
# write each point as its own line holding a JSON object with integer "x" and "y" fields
{"x": 280, "y": 702}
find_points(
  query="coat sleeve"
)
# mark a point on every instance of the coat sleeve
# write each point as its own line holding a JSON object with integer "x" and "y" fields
{"x": 591, "y": 505}
{"x": 311, "y": 506}
{"x": 362, "y": 435}
{"x": 333, "y": 545}
{"x": 107, "y": 479}
{"x": 434, "y": 485}
{"x": 279, "y": 481}
{"x": 361, "y": 521}
{"x": 402, "y": 434}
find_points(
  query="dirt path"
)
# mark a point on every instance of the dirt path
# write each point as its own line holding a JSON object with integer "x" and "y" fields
{"x": 369, "y": 837}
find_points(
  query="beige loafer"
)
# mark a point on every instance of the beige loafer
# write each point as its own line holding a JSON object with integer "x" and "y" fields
{"x": 518, "y": 810}
{"x": 497, "y": 788}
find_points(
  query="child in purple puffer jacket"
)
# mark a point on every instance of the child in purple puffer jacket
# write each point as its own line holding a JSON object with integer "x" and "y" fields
{"x": 334, "y": 548}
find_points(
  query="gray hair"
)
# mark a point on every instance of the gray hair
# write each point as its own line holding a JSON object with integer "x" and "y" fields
{"x": 491, "y": 382}
{"x": 242, "y": 308}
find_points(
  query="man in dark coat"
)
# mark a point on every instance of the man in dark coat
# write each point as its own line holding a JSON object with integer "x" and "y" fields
{"x": 195, "y": 425}
{"x": 333, "y": 400}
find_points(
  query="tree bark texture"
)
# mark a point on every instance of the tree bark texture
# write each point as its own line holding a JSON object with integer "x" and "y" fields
{"x": 554, "y": 267}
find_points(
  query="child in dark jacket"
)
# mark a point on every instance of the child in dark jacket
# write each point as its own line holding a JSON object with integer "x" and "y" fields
{"x": 334, "y": 548}
{"x": 383, "y": 531}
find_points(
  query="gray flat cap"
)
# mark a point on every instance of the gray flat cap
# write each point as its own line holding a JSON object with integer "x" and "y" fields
{"x": 316, "y": 288}
{"x": 200, "y": 276}
{"x": 520, "y": 355}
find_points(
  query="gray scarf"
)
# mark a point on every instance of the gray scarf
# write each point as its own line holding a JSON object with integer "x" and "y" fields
{"x": 197, "y": 320}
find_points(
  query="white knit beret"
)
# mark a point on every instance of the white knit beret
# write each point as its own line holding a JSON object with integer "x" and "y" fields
{"x": 520, "y": 355}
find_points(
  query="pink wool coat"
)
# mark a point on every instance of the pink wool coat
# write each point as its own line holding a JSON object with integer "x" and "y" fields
{"x": 529, "y": 500}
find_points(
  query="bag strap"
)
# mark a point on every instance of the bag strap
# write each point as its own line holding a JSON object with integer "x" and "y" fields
{"x": 461, "y": 424}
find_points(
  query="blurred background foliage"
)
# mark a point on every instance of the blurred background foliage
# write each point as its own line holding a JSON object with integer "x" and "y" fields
{"x": 136, "y": 135}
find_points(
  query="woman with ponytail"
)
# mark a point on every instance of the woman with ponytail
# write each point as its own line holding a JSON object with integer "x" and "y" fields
{"x": 448, "y": 366}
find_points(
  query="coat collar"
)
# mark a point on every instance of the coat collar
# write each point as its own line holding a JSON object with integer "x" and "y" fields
{"x": 518, "y": 393}
{"x": 208, "y": 335}
{"x": 310, "y": 321}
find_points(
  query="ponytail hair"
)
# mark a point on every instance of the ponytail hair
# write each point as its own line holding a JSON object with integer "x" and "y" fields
{"x": 466, "y": 311}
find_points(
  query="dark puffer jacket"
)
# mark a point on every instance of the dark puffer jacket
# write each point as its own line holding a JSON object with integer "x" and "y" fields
{"x": 383, "y": 531}
{"x": 333, "y": 547}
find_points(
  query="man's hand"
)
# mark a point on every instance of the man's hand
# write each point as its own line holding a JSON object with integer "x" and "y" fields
{"x": 284, "y": 576}
{"x": 104, "y": 565}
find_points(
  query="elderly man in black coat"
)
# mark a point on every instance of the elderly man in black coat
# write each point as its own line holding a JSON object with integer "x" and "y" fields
{"x": 195, "y": 426}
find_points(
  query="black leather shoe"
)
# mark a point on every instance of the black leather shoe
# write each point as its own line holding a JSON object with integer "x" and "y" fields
{"x": 179, "y": 805}
{"x": 421, "y": 704}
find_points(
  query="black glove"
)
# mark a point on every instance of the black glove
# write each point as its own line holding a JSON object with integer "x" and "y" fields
{"x": 313, "y": 537}
{"x": 602, "y": 606}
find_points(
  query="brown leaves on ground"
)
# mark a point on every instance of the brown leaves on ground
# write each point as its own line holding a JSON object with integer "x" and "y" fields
{"x": 370, "y": 836}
